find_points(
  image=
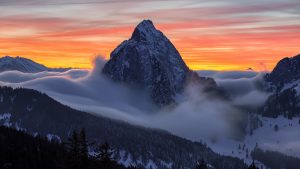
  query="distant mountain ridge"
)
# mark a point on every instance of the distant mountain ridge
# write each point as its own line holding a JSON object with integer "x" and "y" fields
{"x": 149, "y": 60}
{"x": 8, "y": 63}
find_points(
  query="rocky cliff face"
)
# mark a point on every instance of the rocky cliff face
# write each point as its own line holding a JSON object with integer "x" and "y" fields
{"x": 284, "y": 84}
{"x": 286, "y": 71}
{"x": 149, "y": 60}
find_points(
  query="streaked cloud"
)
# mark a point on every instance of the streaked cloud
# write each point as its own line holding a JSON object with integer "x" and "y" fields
{"x": 214, "y": 34}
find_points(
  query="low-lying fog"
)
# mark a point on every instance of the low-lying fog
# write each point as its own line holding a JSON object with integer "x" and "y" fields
{"x": 196, "y": 117}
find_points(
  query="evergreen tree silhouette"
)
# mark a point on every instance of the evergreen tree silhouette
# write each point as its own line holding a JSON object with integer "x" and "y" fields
{"x": 74, "y": 152}
{"x": 83, "y": 149}
{"x": 201, "y": 165}
{"x": 105, "y": 158}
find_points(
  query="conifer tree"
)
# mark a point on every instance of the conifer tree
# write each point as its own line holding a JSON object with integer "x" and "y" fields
{"x": 105, "y": 156}
{"x": 74, "y": 154}
{"x": 83, "y": 149}
{"x": 201, "y": 165}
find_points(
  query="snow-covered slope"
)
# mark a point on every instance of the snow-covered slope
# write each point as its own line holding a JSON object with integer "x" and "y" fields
{"x": 21, "y": 64}
{"x": 149, "y": 60}
{"x": 284, "y": 83}
{"x": 284, "y": 138}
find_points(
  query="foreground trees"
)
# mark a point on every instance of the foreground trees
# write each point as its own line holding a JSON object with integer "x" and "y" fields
{"x": 19, "y": 150}
{"x": 78, "y": 157}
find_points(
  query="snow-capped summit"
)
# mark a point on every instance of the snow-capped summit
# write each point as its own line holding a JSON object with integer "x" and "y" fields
{"x": 21, "y": 64}
{"x": 145, "y": 31}
{"x": 148, "y": 59}
{"x": 8, "y": 63}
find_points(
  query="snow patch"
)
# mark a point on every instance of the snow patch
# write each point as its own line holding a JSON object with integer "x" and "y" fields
{"x": 168, "y": 165}
{"x": 35, "y": 134}
{"x": 151, "y": 165}
{"x": 125, "y": 158}
{"x": 53, "y": 137}
{"x": 5, "y": 119}
{"x": 18, "y": 127}
{"x": 5, "y": 116}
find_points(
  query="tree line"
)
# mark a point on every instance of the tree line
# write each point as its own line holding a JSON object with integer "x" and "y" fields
{"x": 19, "y": 150}
{"x": 203, "y": 165}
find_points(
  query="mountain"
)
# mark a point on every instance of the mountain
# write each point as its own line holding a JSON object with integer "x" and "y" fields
{"x": 36, "y": 113}
{"x": 284, "y": 85}
{"x": 286, "y": 71}
{"x": 21, "y": 64}
{"x": 149, "y": 60}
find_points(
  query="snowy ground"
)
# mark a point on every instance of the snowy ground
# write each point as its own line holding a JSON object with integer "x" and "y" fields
{"x": 286, "y": 140}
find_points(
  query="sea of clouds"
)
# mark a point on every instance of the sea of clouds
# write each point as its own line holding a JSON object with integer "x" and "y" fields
{"x": 196, "y": 117}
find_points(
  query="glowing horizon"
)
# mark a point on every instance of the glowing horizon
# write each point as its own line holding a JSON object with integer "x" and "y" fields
{"x": 210, "y": 35}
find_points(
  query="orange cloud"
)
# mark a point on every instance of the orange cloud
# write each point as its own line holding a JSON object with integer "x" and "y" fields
{"x": 222, "y": 37}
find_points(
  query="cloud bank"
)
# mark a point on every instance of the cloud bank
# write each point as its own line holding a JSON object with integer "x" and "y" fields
{"x": 243, "y": 87}
{"x": 196, "y": 117}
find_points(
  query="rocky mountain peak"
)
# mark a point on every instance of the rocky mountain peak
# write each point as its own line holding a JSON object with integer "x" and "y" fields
{"x": 146, "y": 31}
{"x": 286, "y": 71}
{"x": 149, "y": 60}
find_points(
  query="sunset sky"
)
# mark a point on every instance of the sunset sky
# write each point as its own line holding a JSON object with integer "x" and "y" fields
{"x": 209, "y": 34}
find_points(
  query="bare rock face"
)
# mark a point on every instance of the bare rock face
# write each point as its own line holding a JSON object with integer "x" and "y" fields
{"x": 148, "y": 59}
{"x": 284, "y": 84}
{"x": 286, "y": 71}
